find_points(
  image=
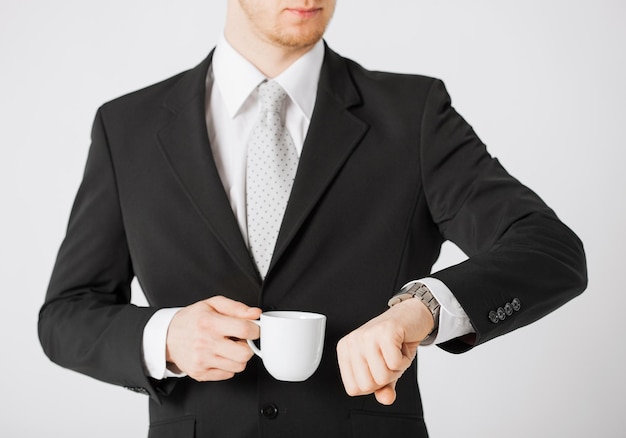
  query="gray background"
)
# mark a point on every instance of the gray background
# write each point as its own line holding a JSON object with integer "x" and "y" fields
{"x": 541, "y": 81}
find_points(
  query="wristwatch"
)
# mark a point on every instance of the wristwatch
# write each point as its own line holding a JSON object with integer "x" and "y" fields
{"x": 420, "y": 291}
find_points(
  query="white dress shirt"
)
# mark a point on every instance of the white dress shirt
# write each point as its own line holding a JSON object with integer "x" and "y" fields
{"x": 232, "y": 107}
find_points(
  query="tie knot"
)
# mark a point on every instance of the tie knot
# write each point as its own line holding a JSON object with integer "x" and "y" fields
{"x": 271, "y": 95}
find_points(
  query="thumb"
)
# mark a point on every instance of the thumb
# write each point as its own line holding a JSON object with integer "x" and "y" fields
{"x": 236, "y": 309}
{"x": 387, "y": 394}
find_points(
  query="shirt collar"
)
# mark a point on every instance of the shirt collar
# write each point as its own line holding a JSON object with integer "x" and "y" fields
{"x": 237, "y": 78}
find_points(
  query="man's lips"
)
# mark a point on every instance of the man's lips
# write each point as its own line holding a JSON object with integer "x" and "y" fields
{"x": 305, "y": 13}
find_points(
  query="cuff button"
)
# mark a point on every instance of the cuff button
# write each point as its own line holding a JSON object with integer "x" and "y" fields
{"x": 516, "y": 304}
{"x": 508, "y": 309}
{"x": 501, "y": 314}
{"x": 493, "y": 317}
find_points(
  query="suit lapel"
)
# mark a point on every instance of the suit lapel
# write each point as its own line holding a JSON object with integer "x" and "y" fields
{"x": 333, "y": 134}
{"x": 185, "y": 144}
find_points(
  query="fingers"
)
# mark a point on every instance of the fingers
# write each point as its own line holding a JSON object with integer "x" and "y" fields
{"x": 387, "y": 394}
{"x": 215, "y": 324}
{"x": 231, "y": 318}
{"x": 363, "y": 367}
{"x": 373, "y": 357}
{"x": 393, "y": 357}
{"x": 237, "y": 351}
{"x": 236, "y": 309}
{"x": 206, "y": 340}
{"x": 223, "y": 367}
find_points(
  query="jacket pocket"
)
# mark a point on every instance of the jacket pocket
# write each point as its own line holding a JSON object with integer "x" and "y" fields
{"x": 182, "y": 427}
{"x": 379, "y": 425}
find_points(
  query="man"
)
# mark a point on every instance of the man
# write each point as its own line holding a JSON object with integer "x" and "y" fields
{"x": 386, "y": 171}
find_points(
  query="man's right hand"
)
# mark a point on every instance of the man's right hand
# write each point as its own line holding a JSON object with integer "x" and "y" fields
{"x": 207, "y": 340}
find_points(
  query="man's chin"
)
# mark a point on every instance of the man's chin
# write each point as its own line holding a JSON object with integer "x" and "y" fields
{"x": 299, "y": 39}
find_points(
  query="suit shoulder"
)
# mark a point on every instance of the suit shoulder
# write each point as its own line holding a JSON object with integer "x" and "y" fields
{"x": 394, "y": 90}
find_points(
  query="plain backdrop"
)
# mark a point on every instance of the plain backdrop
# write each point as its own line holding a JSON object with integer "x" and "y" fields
{"x": 541, "y": 81}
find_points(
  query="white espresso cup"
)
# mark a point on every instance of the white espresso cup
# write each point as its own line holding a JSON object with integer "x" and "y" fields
{"x": 291, "y": 343}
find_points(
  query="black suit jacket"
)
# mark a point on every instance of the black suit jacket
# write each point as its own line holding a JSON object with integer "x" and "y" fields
{"x": 388, "y": 172}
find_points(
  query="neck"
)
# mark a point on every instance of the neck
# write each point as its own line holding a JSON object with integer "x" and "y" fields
{"x": 270, "y": 57}
{"x": 265, "y": 56}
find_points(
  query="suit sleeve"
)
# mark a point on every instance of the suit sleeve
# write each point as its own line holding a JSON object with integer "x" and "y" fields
{"x": 519, "y": 251}
{"x": 87, "y": 323}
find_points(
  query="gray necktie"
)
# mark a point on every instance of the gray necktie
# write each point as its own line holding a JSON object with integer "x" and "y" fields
{"x": 271, "y": 169}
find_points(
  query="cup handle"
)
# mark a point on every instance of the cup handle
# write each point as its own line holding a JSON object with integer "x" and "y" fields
{"x": 254, "y": 348}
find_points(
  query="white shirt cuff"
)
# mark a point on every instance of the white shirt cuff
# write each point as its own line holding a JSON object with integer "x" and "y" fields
{"x": 453, "y": 321}
{"x": 154, "y": 342}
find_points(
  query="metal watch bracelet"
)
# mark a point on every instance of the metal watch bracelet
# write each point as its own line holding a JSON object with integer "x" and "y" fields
{"x": 420, "y": 291}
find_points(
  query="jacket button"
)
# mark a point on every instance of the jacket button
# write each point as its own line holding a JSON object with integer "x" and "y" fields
{"x": 493, "y": 317}
{"x": 269, "y": 411}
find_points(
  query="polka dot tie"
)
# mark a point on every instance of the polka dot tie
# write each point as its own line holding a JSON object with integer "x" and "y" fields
{"x": 271, "y": 169}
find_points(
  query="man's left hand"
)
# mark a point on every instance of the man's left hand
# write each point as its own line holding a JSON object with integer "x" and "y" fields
{"x": 373, "y": 357}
